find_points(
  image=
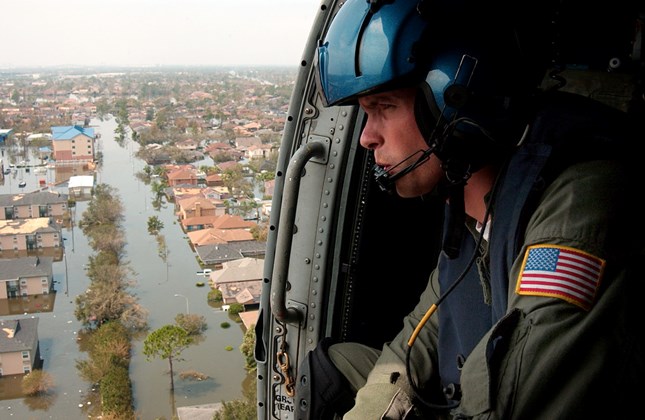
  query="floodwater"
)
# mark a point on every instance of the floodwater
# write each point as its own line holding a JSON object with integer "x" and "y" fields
{"x": 157, "y": 284}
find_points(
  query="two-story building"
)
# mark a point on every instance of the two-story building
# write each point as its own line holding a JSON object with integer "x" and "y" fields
{"x": 195, "y": 206}
{"x": 185, "y": 175}
{"x": 26, "y": 276}
{"x": 33, "y": 205}
{"x": 19, "y": 348}
{"x": 28, "y": 234}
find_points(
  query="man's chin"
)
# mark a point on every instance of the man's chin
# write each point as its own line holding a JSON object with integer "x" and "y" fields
{"x": 403, "y": 192}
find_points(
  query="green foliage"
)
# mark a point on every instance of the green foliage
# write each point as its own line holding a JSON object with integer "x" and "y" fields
{"x": 265, "y": 176}
{"x": 192, "y": 323}
{"x": 244, "y": 409}
{"x": 104, "y": 208}
{"x": 159, "y": 188}
{"x": 37, "y": 382}
{"x": 215, "y": 295}
{"x": 247, "y": 346}
{"x": 225, "y": 325}
{"x": 116, "y": 393}
{"x": 108, "y": 347}
{"x": 167, "y": 342}
{"x": 154, "y": 225}
{"x": 236, "y": 308}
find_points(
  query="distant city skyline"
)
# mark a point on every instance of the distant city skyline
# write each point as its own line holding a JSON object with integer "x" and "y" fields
{"x": 136, "y": 33}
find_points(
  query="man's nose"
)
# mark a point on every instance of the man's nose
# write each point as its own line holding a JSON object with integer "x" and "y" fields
{"x": 370, "y": 137}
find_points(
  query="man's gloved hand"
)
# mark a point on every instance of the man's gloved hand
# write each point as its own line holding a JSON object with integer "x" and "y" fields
{"x": 381, "y": 401}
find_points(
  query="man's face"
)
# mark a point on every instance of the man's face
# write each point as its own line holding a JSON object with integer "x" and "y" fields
{"x": 392, "y": 133}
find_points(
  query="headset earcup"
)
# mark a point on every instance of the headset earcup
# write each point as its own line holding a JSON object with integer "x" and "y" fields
{"x": 423, "y": 104}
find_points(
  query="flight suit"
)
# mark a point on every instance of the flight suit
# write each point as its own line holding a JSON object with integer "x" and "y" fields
{"x": 507, "y": 344}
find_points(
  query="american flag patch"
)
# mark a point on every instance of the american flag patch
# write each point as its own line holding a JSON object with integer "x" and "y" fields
{"x": 561, "y": 272}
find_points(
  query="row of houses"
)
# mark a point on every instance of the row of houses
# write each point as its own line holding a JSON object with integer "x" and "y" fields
{"x": 220, "y": 239}
{"x": 32, "y": 221}
{"x": 201, "y": 209}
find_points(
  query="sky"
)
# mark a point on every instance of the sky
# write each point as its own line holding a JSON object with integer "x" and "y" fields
{"x": 127, "y": 33}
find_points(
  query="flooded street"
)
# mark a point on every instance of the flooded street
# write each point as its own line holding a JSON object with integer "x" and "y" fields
{"x": 157, "y": 284}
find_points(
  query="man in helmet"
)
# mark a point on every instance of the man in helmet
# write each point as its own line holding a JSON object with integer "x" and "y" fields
{"x": 531, "y": 312}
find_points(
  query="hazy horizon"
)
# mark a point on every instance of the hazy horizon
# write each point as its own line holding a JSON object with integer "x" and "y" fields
{"x": 155, "y": 33}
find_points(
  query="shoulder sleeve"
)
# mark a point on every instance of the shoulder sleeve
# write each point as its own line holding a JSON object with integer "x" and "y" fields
{"x": 554, "y": 357}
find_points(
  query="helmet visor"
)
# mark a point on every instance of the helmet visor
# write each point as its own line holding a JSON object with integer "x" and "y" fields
{"x": 368, "y": 50}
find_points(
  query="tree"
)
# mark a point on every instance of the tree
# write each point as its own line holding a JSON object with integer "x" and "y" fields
{"x": 154, "y": 225}
{"x": 37, "y": 382}
{"x": 167, "y": 342}
{"x": 108, "y": 346}
{"x": 234, "y": 180}
{"x": 235, "y": 308}
{"x": 260, "y": 232}
{"x": 159, "y": 188}
{"x": 108, "y": 238}
{"x": 247, "y": 346}
{"x": 243, "y": 409}
{"x": 107, "y": 299}
{"x": 192, "y": 323}
{"x": 104, "y": 208}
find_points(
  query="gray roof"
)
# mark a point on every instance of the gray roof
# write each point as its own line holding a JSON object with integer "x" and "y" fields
{"x": 25, "y": 334}
{"x": 240, "y": 280}
{"x": 220, "y": 253}
{"x": 38, "y": 197}
{"x": 240, "y": 270}
{"x": 25, "y": 267}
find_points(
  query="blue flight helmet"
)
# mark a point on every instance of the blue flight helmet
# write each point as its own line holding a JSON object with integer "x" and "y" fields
{"x": 368, "y": 48}
{"x": 478, "y": 65}
{"x": 461, "y": 54}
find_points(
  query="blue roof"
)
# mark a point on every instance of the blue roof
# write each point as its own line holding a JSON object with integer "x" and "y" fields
{"x": 4, "y": 133}
{"x": 68, "y": 132}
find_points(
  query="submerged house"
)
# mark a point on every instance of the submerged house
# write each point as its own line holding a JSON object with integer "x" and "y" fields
{"x": 73, "y": 144}
{"x": 26, "y": 276}
{"x": 33, "y": 205}
{"x": 19, "y": 348}
{"x": 80, "y": 186}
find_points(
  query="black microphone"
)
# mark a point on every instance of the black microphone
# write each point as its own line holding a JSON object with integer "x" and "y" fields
{"x": 385, "y": 181}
